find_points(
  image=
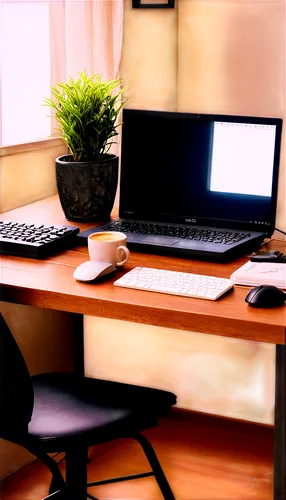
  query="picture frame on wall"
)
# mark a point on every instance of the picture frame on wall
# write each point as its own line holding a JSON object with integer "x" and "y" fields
{"x": 167, "y": 4}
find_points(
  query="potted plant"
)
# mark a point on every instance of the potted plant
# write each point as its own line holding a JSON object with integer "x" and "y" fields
{"x": 87, "y": 110}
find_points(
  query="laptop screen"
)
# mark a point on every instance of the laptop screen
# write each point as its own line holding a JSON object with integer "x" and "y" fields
{"x": 212, "y": 170}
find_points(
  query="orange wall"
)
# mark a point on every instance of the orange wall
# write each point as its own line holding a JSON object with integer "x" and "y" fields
{"x": 150, "y": 57}
{"x": 231, "y": 59}
{"x": 219, "y": 56}
{"x": 27, "y": 172}
{"x": 208, "y": 373}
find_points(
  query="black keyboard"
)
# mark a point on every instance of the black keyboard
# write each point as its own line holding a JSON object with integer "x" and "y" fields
{"x": 193, "y": 233}
{"x": 35, "y": 240}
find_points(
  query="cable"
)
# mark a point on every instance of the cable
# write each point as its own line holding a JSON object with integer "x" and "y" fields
{"x": 279, "y": 230}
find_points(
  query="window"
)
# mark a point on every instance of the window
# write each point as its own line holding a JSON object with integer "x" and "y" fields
{"x": 25, "y": 46}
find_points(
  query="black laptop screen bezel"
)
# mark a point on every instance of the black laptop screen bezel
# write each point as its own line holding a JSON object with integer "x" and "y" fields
{"x": 126, "y": 211}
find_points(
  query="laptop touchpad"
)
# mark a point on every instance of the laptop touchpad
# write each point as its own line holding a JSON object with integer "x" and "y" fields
{"x": 159, "y": 240}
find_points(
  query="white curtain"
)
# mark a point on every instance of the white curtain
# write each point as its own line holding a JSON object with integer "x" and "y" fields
{"x": 85, "y": 34}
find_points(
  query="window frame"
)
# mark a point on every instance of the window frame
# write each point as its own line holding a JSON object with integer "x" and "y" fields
{"x": 25, "y": 147}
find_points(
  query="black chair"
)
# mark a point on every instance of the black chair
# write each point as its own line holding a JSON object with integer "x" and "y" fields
{"x": 57, "y": 412}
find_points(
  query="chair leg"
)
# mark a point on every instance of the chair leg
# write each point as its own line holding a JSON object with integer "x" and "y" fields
{"x": 58, "y": 484}
{"x": 55, "y": 486}
{"x": 156, "y": 467}
{"x": 76, "y": 472}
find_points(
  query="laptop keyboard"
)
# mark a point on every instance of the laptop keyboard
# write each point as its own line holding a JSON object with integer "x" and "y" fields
{"x": 191, "y": 233}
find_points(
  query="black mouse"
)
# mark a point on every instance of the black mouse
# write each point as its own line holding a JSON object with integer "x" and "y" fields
{"x": 265, "y": 296}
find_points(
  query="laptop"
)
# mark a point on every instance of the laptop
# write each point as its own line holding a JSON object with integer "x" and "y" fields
{"x": 199, "y": 186}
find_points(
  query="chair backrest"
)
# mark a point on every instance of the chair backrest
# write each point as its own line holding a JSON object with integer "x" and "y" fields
{"x": 16, "y": 389}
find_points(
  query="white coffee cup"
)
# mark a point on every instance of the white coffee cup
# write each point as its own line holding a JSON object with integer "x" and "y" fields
{"x": 108, "y": 246}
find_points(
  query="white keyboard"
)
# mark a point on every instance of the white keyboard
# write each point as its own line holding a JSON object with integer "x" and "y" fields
{"x": 175, "y": 283}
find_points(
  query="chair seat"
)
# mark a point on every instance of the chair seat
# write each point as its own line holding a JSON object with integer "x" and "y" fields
{"x": 89, "y": 409}
{"x": 59, "y": 412}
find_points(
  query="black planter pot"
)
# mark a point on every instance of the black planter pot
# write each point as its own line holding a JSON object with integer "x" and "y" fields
{"x": 87, "y": 189}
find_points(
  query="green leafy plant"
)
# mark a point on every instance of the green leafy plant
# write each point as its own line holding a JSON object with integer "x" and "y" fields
{"x": 87, "y": 110}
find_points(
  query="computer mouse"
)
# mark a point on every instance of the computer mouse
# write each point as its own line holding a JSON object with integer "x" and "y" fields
{"x": 92, "y": 270}
{"x": 265, "y": 296}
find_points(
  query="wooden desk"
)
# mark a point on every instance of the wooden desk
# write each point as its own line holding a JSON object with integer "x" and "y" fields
{"x": 50, "y": 284}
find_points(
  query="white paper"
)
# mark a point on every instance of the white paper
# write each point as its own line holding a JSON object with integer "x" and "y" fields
{"x": 260, "y": 273}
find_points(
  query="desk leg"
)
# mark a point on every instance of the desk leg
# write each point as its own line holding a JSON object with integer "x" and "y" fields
{"x": 78, "y": 345}
{"x": 280, "y": 425}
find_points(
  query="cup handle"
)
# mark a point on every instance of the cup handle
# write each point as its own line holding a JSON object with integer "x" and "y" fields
{"x": 119, "y": 251}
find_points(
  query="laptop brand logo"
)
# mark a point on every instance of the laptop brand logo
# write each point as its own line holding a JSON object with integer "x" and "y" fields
{"x": 191, "y": 220}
